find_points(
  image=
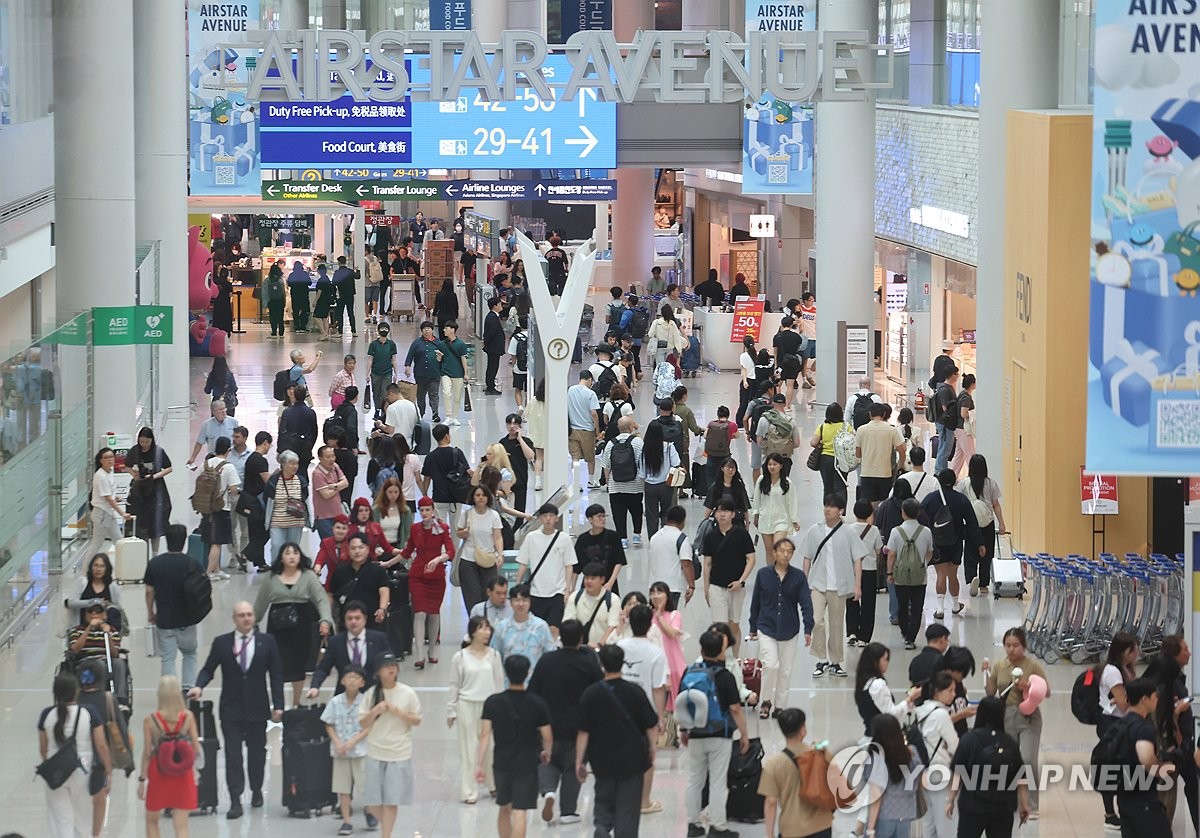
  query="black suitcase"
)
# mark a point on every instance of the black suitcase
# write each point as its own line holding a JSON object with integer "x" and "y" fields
{"x": 399, "y": 629}
{"x": 744, "y": 803}
{"x": 699, "y": 479}
{"x": 206, "y": 787}
{"x": 307, "y": 763}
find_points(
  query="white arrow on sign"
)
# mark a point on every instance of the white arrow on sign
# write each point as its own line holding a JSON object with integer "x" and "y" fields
{"x": 361, "y": 187}
{"x": 450, "y": 190}
{"x": 584, "y": 93}
{"x": 589, "y": 142}
{"x": 271, "y": 190}
{"x": 541, "y": 190}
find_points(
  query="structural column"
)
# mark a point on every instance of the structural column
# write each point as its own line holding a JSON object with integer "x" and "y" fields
{"x": 927, "y": 57}
{"x": 293, "y": 14}
{"x": 489, "y": 20}
{"x": 1031, "y": 82}
{"x": 632, "y": 212}
{"x": 94, "y": 183}
{"x": 529, "y": 15}
{"x": 845, "y": 216}
{"x": 707, "y": 15}
{"x": 160, "y": 108}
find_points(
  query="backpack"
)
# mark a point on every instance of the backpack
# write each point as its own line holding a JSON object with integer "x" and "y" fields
{"x": 283, "y": 380}
{"x": 672, "y": 430}
{"x": 916, "y": 738}
{"x": 384, "y": 474}
{"x": 622, "y": 463}
{"x": 984, "y": 514}
{"x": 949, "y": 416}
{"x": 779, "y": 438}
{"x": 197, "y": 593}
{"x": 605, "y": 381}
{"x": 716, "y": 438}
{"x": 174, "y": 755}
{"x": 208, "y": 496}
{"x": 334, "y": 421}
{"x": 611, "y": 431}
{"x": 1085, "y": 697}
{"x": 702, "y": 532}
{"x": 522, "y": 356}
{"x": 909, "y": 567}
{"x": 944, "y": 534}
{"x": 994, "y": 760}
{"x": 697, "y": 707}
{"x": 1114, "y": 750}
{"x": 845, "y": 453}
{"x": 931, "y": 409}
{"x": 639, "y": 323}
{"x": 616, "y": 310}
{"x": 861, "y": 414}
{"x": 460, "y": 483}
{"x": 757, "y": 408}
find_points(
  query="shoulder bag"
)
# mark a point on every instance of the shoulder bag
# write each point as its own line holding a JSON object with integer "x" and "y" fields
{"x": 295, "y": 507}
{"x": 825, "y": 541}
{"x": 542, "y": 561}
{"x": 57, "y": 768}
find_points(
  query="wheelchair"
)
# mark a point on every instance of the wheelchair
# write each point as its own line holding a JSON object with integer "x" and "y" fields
{"x": 114, "y": 671}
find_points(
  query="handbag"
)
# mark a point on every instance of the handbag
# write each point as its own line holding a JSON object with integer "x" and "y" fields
{"x": 118, "y": 742}
{"x": 455, "y": 579}
{"x": 814, "y": 779}
{"x": 57, "y": 768}
{"x": 295, "y": 507}
{"x": 676, "y": 477}
{"x": 283, "y": 616}
{"x": 669, "y": 738}
{"x": 814, "y": 459}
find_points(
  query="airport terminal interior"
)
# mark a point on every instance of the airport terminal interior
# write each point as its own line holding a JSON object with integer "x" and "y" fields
{"x": 194, "y": 195}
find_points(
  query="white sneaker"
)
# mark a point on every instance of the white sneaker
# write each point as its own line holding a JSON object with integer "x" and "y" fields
{"x": 567, "y": 819}
{"x": 592, "y": 484}
{"x": 537, "y": 483}
{"x": 453, "y": 421}
{"x": 218, "y": 576}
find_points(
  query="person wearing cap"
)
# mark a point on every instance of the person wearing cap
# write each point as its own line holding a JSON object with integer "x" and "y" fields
{"x": 429, "y": 550}
{"x": 382, "y": 352}
{"x": 942, "y": 364}
{"x": 327, "y": 483}
{"x": 520, "y": 454}
{"x": 389, "y": 712}
{"x": 547, "y": 559}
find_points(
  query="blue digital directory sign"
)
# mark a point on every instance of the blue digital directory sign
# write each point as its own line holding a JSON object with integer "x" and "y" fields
{"x": 318, "y": 149}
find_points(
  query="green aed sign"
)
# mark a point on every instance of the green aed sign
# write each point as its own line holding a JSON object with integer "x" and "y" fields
{"x": 124, "y": 325}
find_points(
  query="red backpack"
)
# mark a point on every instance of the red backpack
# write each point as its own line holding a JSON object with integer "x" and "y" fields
{"x": 174, "y": 754}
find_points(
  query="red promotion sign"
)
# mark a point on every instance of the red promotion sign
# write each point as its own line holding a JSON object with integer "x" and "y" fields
{"x": 1097, "y": 493}
{"x": 747, "y": 319}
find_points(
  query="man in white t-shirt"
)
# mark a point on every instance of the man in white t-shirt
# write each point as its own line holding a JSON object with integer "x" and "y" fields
{"x": 833, "y": 555}
{"x": 598, "y": 609}
{"x": 401, "y": 416}
{"x": 646, "y": 665}
{"x": 547, "y": 557}
{"x": 923, "y": 483}
{"x": 671, "y": 557}
{"x": 911, "y": 597}
{"x": 860, "y": 615}
{"x": 216, "y": 527}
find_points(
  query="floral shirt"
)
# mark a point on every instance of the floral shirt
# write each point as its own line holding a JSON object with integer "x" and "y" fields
{"x": 342, "y": 716}
{"x": 531, "y": 638}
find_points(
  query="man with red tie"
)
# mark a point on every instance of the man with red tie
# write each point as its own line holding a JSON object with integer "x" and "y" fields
{"x": 250, "y": 664}
{"x": 356, "y": 646}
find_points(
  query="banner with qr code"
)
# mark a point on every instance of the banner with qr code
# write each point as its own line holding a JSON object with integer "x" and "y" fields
{"x": 777, "y": 136}
{"x": 222, "y": 123}
{"x": 1144, "y": 323}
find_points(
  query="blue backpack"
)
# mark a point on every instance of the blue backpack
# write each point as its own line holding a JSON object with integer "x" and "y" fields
{"x": 385, "y": 473}
{"x": 697, "y": 707}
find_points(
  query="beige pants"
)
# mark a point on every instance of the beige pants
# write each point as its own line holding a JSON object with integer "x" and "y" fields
{"x": 582, "y": 446}
{"x": 452, "y": 397}
{"x": 829, "y": 616}
{"x": 470, "y": 714}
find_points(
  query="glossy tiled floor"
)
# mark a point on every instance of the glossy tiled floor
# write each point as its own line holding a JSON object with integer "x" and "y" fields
{"x": 26, "y": 669}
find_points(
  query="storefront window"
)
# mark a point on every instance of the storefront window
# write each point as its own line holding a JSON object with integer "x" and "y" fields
{"x": 895, "y": 29}
{"x": 963, "y": 49}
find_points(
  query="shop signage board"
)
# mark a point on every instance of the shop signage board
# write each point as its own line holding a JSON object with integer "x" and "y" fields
{"x": 584, "y": 15}
{"x": 1097, "y": 493}
{"x": 125, "y": 325}
{"x": 203, "y": 222}
{"x": 747, "y": 319}
{"x": 222, "y": 122}
{"x": 1143, "y": 410}
{"x": 778, "y": 136}
{"x": 450, "y": 14}
{"x": 859, "y": 356}
{"x": 387, "y": 220}
{"x": 580, "y": 191}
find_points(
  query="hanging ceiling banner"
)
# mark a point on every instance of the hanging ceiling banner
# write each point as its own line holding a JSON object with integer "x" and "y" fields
{"x": 777, "y": 134}
{"x": 222, "y": 121}
{"x": 1143, "y": 411}
{"x": 584, "y": 15}
{"x": 450, "y": 15}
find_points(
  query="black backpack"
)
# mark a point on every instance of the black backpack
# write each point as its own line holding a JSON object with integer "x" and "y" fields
{"x": 612, "y": 430}
{"x": 639, "y": 323}
{"x": 757, "y": 408}
{"x": 605, "y": 381}
{"x": 622, "y": 462}
{"x": 283, "y": 380}
{"x": 522, "y": 351}
{"x": 944, "y": 533}
{"x": 861, "y": 414}
{"x": 948, "y": 415}
{"x": 672, "y": 430}
{"x": 1085, "y": 697}
{"x": 197, "y": 593}
{"x": 1113, "y": 751}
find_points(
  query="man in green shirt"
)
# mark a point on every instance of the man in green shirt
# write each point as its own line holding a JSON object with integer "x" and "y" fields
{"x": 382, "y": 352}
{"x": 454, "y": 373}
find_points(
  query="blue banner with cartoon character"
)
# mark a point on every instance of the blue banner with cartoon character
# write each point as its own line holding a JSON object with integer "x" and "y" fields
{"x": 777, "y": 136}
{"x": 222, "y": 124}
{"x": 1144, "y": 338}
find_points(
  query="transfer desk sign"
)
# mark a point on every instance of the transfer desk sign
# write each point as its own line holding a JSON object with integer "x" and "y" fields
{"x": 1143, "y": 411}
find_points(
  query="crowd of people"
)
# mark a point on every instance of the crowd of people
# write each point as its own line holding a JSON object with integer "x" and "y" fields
{"x": 565, "y": 668}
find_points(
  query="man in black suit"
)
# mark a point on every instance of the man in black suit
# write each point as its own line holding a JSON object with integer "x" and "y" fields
{"x": 493, "y": 343}
{"x": 298, "y": 428}
{"x": 356, "y": 646}
{"x": 249, "y": 661}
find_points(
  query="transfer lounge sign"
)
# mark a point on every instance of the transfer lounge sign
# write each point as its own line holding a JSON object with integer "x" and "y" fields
{"x": 126, "y": 325}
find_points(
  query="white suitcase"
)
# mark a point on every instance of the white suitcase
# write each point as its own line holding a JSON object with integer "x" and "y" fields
{"x": 132, "y": 556}
{"x": 1008, "y": 574}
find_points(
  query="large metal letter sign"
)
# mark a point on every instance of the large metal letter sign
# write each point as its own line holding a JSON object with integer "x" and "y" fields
{"x": 557, "y": 327}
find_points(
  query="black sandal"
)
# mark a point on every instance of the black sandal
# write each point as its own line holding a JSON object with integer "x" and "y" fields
{"x": 764, "y": 710}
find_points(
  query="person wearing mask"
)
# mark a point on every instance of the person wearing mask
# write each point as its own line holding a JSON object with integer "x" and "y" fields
{"x": 948, "y": 555}
{"x": 298, "y": 428}
{"x": 833, "y": 558}
{"x": 583, "y": 423}
{"x": 251, "y": 685}
{"x": 424, "y": 364}
{"x": 909, "y": 584}
{"x": 998, "y": 788}
{"x": 786, "y": 813}
{"x": 69, "y": 807}
{"x": 560, "y": 679}
{"x": 475, "y": 674}
{"x": 167, "y": 609}
{"x": 871, "y": 694}
{"x": 382, "y": 352}
{"x": 298, "y": 281}
{"x": 274, "y": 293}
{"x": 808, "y": 329}
{"x": 779, "y": 599}
{"x": 729, "y": 557}
{"x": 1002, "y": 679}
{"x": 493, "y": 344}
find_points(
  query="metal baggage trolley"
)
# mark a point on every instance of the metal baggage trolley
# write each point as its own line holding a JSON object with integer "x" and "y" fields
{"x": 404, "y": 299}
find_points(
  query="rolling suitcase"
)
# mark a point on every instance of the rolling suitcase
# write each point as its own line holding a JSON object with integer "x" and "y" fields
{"x": 751, "y": 670}
{"x": 1008, "y": 575}
{"x": 132, "y": 554}
{"x": 399, "y": 623}
{"x": 307, "y": 763}
{"x": 422, "y": 438}
{"x": 744, "y": 803}
{"x": 206, "y": 787}
{"x": 690, "y": 362}
{"x": 196, "y": 549}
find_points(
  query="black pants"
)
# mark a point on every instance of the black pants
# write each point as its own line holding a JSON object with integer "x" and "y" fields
{"x": 973, "y": 565}
{"x": 998, "y": 824}
{"x": 275, "y": 313}
{"x": 911, "y": 599}
{"x": 520, "y": 493}
{"x": 622, "y": 503}
{"x": 300, "y": 307}
{"x": 259, "y": 535}
{"x": 254, "y": 736}
{"x": 493, "y": 367}
{"x": 745, "y": 395}
{"x": 559, "y": 775}
{"x": 659, "y": 498}
{"x": 1109, "y": 797}
{"x": 474, "y": 581}
{"x": 618, "y": 806}
{"x": 1191, "y": 788}
{"x": 637, "y": 358}
{"x": 1143, "y": 816}
{"x": 860, "y": 616}
{"x": 833, "y": 482}
{"x": 347, "y": 306}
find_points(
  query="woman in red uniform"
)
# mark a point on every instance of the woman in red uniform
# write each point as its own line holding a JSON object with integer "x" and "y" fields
{"x": 362, "y": 520}
{"x": 430, "y": 548}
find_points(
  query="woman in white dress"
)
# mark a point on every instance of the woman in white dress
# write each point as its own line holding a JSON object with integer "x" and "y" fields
{"x": 776, "y": 504}
{"x": 535, "y": 427}
{"x": 475, "y": 674}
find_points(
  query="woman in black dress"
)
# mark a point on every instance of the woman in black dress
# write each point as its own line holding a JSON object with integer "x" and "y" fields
{"x": 298, "y": 607}
{"x": 222, "y": 385}
{"x": 149, "y": 501}
{"x": 222, "y": 306}
{"x": 445, "y": 306}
